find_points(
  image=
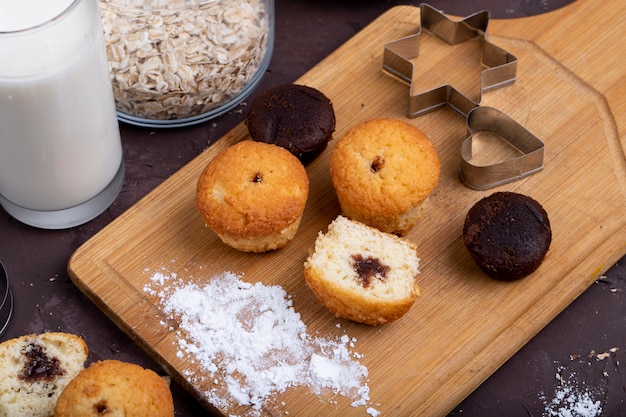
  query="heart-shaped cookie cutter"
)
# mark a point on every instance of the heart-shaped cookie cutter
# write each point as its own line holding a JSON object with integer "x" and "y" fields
{"x": 529, "y": 161}
{"x": 501, "y": 71}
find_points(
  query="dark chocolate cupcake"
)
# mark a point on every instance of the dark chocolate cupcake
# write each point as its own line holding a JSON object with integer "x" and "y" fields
{"x": 296, "y": 117}
{"x": 508, "y": 235}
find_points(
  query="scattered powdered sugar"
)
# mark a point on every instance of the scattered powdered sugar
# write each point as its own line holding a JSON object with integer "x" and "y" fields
{"x": 372, "y": 412}
{"x": 570, "y": 400}
{"x": 249, "y": 337}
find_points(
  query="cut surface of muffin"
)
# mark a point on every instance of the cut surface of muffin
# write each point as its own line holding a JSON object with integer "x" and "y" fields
{"x": 363, "y": 274}
{"x": 34, "y": 370}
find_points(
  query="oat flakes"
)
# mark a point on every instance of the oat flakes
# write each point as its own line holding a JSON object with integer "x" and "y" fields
{"x": 179, "y": 61}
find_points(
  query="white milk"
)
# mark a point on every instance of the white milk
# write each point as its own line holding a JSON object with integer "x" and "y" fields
{"x": 59, "y": 138}
{"x": 23, "y": 14}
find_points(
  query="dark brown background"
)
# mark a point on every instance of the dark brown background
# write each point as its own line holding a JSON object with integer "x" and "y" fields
{"x": 306, "y": 32}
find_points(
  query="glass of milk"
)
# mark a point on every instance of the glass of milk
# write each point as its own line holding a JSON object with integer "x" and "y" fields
{"x": 61, "y": 161}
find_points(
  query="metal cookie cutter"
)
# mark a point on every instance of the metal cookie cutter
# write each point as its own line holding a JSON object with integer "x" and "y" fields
{"x": 484, "y": 177}
{"x": 501, "y": 71}
{"x": 398, "y": 55}
{"x": 6, "y": 300}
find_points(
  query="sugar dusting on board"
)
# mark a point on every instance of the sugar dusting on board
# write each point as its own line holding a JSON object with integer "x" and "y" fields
{"x": 248, "y": 337}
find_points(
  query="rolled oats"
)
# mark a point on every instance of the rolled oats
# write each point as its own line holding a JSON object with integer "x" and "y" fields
{"x": 179, "y": 60}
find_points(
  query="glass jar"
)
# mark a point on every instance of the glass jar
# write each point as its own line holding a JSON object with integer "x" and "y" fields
{"x": 182, "y": 62}
{"x": 61, "y": 158}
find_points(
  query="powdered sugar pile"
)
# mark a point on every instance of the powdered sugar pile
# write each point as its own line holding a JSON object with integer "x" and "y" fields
{"x": 571, "y": 401}
{"x": 249, "y": 337}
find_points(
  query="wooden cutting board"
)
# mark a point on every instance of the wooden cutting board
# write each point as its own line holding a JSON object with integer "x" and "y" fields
{"x": 569, "y": 93}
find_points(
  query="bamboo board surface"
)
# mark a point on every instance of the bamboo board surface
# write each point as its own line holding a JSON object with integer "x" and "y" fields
{"x": 465, "y": 325}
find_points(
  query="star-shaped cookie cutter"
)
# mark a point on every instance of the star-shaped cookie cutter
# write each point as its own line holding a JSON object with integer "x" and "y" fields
{"x": 501, "y": 69}
{"x": 399, "y": 55}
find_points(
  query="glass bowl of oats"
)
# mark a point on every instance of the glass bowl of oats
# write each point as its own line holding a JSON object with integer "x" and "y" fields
{"x": 182, "y": 62}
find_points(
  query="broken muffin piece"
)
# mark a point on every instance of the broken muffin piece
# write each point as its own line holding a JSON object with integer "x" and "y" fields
{"x": 362, "y": 274}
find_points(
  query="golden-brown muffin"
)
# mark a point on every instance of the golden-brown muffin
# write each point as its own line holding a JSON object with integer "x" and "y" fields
{"x": 252, "y": 195}
{"x": 363, "y": 274}
{"x": 383, "y": 170}
{"x": 115, "y": 389}
{"x": 35, "y": 368}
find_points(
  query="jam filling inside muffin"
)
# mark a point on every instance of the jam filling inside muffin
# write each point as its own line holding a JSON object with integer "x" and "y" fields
{"x": 38, "y": 365}
{"x": 368, "y": 269}
{"x": 378, "y": 163}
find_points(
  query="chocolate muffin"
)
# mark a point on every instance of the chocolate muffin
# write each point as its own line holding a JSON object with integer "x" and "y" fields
{"x": 296, "y": 117}
{"x": 508, "y": 235}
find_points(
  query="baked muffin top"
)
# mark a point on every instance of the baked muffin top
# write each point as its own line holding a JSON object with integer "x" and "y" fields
{"x": 113, "y": 387}
{"x": 507, "y": 234}
{"x": 252, "y": 189}
{"x": 385, "y": 165}
{"x": 296, "y": 117}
